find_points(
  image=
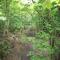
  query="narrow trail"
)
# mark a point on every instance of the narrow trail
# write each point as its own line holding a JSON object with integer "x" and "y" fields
{"x": 19, "y": 50}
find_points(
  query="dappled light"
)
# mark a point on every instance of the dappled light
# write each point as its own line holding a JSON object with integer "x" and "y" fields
{"x": 29, "y": 29}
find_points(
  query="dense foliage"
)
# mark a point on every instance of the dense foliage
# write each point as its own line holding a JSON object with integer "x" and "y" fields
{"x": 38, "y": 23}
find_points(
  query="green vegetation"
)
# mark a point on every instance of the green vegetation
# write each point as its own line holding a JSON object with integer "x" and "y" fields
{"x": 35, "y": 22}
